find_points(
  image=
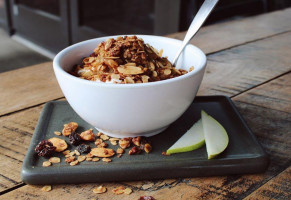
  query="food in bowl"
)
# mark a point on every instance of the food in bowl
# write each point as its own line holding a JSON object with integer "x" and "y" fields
{"x": 126, "y": 60}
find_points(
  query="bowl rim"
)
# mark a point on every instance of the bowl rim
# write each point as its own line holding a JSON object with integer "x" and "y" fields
{"x": 58, "y": 69}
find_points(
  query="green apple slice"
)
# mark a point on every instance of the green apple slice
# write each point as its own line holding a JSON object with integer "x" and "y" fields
{"x": 216, "y": 137}
{"x": 191, "y": 140}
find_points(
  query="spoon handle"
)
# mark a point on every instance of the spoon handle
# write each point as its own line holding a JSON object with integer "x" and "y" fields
{"x": 197, "y": 22}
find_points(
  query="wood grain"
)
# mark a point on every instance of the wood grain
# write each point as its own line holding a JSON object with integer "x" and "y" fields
{"x": 271, "y": 126}
{"x": 238, "y": 69}
{"x": 277, "y": 188}
{"x": 27, "y": 87}
{"x": 225, "y": 35}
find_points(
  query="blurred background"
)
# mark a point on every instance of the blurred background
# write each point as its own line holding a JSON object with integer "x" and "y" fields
{"x": 33, "y": 31}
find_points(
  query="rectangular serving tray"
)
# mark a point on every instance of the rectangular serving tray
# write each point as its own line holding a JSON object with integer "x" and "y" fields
{"x": 243, "y": 154}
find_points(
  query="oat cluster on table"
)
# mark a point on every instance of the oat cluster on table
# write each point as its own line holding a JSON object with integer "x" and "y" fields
{"x": 126, "y": 60}
{"x": 84, "y": 151}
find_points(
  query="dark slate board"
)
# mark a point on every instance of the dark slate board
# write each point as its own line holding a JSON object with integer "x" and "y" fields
{"x": 243, "y": 154}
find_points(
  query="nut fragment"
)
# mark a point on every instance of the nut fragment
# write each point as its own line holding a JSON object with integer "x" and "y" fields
{"x": 127, "y": 191}
{"x": 77, "y": 153}
{"x": 69, "y": 128}
{"x": 98, "y": 141}
{"x": 88, "y": 135}
{"x": 66, "y": 152}
{"x": 60, "y": 144}
{"x": 191, "y": 69}
{"x": 102, "y": 152}
{"x": 119, "y": 155}
{"x": 113, "y": 142}
{"x": 81, "y": 158}
{"x": 99, "y": 190}
{"x": 102, "y": 145}
{"x": 124, "y": 143}
{"x": 95, "y": 159}
{"x": 118, "y": 190}
{"x": 99, "y": 134}
{"x": 120, "y": 151}
{"x": 89, "y": 159}
{"x": 104, "y": 137}
{"x": 136, "y": 141}
{"x": 134, "y": 150}
{"x": 55, "y": 160}
{"x": 46, "y": 188}
{"x": 167, "y": 72}
{"x": 106, "y": 160}
{"x": 70, "y": 159}
{"x": 58, "y": 133}
{"x": 147, "y": 148}
{"x": 74, "y": 163}
{"x": 46, "y": 164}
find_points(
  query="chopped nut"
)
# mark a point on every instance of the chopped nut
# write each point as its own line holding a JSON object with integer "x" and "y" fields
{"x": 46, "y": 188}
{"x": 98, "y": 141}
{"x": 106, "y": 160}
{"x": 102, "y": 145}
{"x": 102, "y": 152}
{"x": 147, "y": 148}
{"x": 113, "y": 142}
{"x": 104, "y": 137}
{"x": 88, "y": 135}
{"x": 89, "y": 159}
{"x": 136, "y": 141}
{"x": 127, "y": 191}
{"x": 74, "y": 163}
{"x": 124, "y": 143}
{"x": 89, "y": 155}
{"x": 134, "y": 150}
{"x": 58, "y": 133}
{"x": 95, "y": 159}
{"x": 46, "y": 164}
{"x": 69, "y": 128}
{"x": 99, "y": 190}
{"x": 55, "y": 160}
{"x": 81, "y": 158}
{"x": 99, "y": 134}
{"x": 119, "y": 155}
{"x": 70, "y": 159}
{"x": 120, "y": 150}
{"x": 60, "y": 144}
{"x": 118, "y": 190}
{"x": 129, "y": 69}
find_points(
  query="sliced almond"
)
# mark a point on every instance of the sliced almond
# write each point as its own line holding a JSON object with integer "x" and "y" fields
{"x": 81, "y": 158}
{"x": 127, "y": 70}
{"x": 88, "y": 135}
{"x": 60, "y": 144}
{"x": 102, "y": 152}
{"x": 46, "y": 164}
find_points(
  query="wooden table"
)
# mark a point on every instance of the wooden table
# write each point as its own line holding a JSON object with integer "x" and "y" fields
{"x": 249, "y": 60}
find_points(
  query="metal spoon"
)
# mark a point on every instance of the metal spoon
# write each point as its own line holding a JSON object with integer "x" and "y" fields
{"x": 197, "y": 22}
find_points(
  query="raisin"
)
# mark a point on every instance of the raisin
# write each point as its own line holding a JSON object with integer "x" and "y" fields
{"x": 146, "y": 198}
{"x": 74, "y": 138}
{"x": 45, "y": 148}
{"x": 84, "y": 148}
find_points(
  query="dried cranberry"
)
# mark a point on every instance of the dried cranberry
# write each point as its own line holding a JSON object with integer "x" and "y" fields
{"x": 45, "y": 148}
{"x": 83, "y": 148}
{"x": 74, "y": 138}
{"x": 146, "y": 198}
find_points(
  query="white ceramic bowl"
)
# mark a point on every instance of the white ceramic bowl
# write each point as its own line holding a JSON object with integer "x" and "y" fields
{"x": 129, "y": 110}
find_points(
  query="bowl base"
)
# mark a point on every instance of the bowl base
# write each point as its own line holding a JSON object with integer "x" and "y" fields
{"x": 124, "y": 135}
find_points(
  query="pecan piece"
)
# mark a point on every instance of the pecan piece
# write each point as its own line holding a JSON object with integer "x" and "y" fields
{"x": 69, "y": 128}
{"x": 134, "y": 150}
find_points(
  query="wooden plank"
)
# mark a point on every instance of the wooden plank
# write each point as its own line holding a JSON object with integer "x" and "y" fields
{"x": 277, "y": 188}
{"x": 228, "y": 34}
{"x": 27, "y": 87}
{"x": 235, "y": 70}
{"x": 271, "y": 126}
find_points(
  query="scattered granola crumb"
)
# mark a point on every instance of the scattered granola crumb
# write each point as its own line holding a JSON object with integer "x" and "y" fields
{"x": 58, "y": 133}
{"x": 46, "y": 188}
{"x": 99, "y": 190}
{"x": 98, "y": 141}
{"x": 66, "y": 152}
{"x": 89, "y": 155}
{"x": 99, "y": 134}
{"x": 104, "y": 137}
{"x": 127, "y": 191}
{"x": 60, "y": 144}
{"x": 95, "y": 159}
{"x": 147, "y": 148}
{"x": 89, "y": 159}
{"x": 120, "y": 151}
{"x": 69, "y": 128}
{"x": 70, "y": 159}
{"x": 102, "y": 145}
{"x": 55, "y": 160}
{"x": 134, "y": 150}
{"x": 102, "y": 152}
{"x": 88, "y": 135}
{"x": 81, "y": 158}
{"x": 118, "y": 190}
{"x": 74, "y": 163}
{"x": 119, "y": 155}
{"x": 77, "y": 152}
{"x": 124, "y": 143}
{"x": 46, "y": 164}
{"x": 136, "y": 141}
{"x": 108, "y": 160}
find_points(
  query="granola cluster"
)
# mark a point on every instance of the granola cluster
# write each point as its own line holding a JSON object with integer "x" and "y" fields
{"x": 126, "y": 60}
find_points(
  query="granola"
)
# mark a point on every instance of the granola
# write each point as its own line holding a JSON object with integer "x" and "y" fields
{"x": 126, "y": 60}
